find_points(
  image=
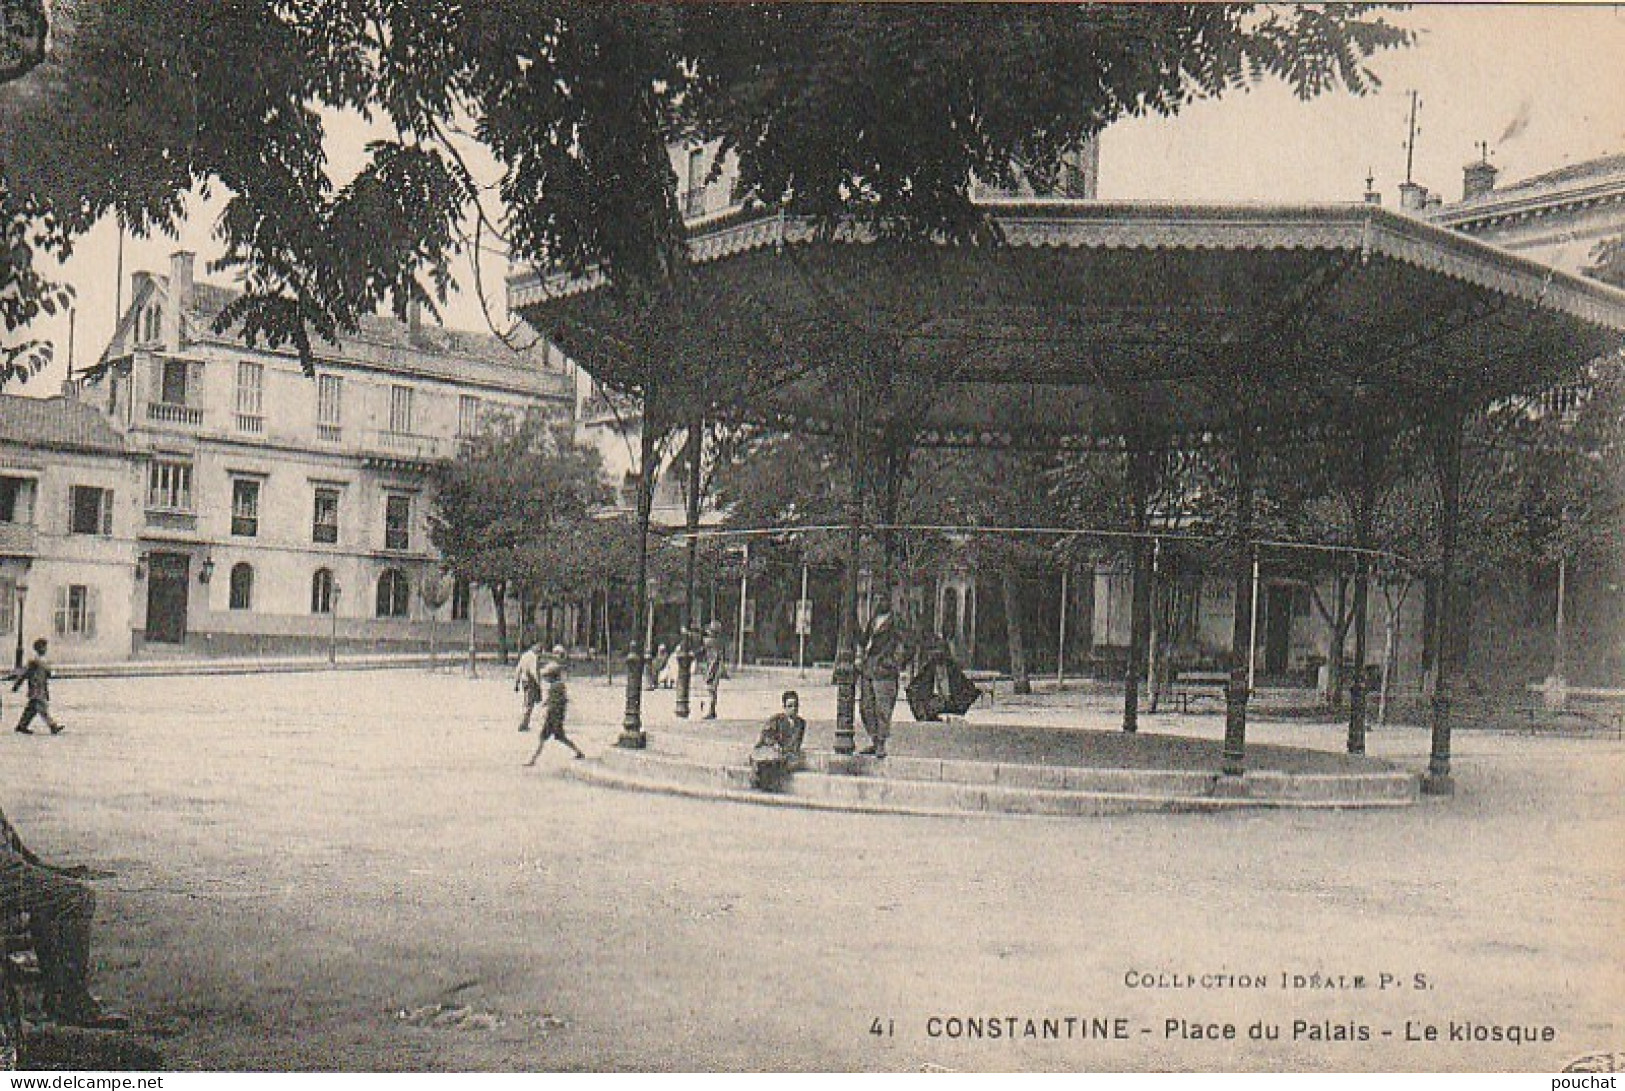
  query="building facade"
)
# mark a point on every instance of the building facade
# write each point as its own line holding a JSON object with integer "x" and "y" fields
{"x": 68, "y": 523}
{"x": 250, "y": 508}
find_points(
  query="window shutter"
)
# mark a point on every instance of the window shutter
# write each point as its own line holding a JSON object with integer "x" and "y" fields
{"x": 93, "y": 601}
{"x": 107, "y": 511}
{"x": 61, "y": 611}
{"x": 194, "y": 382}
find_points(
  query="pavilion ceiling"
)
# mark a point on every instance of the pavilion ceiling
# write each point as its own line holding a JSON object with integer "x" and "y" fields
{"x": 1089, "y": 323}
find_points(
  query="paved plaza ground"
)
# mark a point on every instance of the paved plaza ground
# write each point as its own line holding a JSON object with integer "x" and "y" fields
{"x": 354, "y": 871}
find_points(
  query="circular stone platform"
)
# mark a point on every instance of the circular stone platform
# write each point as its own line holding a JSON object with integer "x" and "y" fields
{"x": 958, "y": 768}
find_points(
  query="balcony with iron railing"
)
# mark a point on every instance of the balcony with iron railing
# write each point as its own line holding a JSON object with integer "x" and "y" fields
{"x": 171, "y": 519}
{"x": 405, "y": 446}
{"x": 170, "y": 413}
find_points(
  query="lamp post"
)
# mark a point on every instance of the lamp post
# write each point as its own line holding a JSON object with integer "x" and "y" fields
{"x": 22, "y": 598}
{"x": 333, "y": 618}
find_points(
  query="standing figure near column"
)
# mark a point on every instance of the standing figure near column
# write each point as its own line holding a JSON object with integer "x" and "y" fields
{"x": 716, "y": 657}
{"x": 879, "y": 664}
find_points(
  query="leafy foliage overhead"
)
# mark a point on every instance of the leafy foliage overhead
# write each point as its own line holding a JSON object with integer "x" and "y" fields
{"x": 883, "y": 112}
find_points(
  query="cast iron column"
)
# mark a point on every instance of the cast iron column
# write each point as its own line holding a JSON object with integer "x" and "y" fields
{"x": 632, "y": 736}
{"x": 1140, "y": 470}
{"x": 1362, "y": 589}
{"x": 1447, "y": 454}
{"x": 846, "y": 640}
{"x": 1241, "y": 629}
{"x": 691, "y": 609}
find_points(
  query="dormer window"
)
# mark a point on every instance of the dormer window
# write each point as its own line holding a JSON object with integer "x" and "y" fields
{"x": 148, "y": 325}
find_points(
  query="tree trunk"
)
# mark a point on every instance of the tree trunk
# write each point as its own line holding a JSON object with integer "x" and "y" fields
{"x": 1013, "y": 628}
{"x": 1337, "y": 624}
{"x": 499, "y": 599}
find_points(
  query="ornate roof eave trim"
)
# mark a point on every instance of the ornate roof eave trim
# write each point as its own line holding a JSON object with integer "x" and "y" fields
{"x": 551, "y": 385}
{"x": 1353, "y": 228}
{"x": 1532, "y": 203}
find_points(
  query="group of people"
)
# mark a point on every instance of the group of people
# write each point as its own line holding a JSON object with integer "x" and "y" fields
{"x": 710, "y": 663}
{"x": 938, "y": 686}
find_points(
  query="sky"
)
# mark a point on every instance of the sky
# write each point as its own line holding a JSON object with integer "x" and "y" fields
{"x": 1543, "y": 84}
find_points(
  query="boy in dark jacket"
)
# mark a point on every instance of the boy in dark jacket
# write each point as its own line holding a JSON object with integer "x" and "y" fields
{"x": 37, "y": 673}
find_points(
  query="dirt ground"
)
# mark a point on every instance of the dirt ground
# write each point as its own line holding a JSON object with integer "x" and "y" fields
{"x": 353, "y": 871}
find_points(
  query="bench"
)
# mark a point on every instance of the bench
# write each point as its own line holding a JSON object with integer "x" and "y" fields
{"x": 1190, "y": 686}
{"x": 19, "y": 981}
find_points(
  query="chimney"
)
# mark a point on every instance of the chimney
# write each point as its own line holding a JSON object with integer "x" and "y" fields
{"x": 1413, "y": 197}
{"x": 180, "y": 297}
{"x": 1477, "y": 179}
{"x": 70, "y": 390}
{"x": 1372, "y": 197}
{"x": 414, "y": 317}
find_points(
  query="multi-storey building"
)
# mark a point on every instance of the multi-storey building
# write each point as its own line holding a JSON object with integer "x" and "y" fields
{"x": 275, "y": 511}
{"x": 68, "y": 525}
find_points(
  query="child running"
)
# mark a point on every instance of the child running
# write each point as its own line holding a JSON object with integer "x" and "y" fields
{"x": 557, "y": 700}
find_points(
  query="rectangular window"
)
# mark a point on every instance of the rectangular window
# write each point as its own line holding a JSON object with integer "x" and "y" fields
{"x": 459, "y": 599}
{"x": 169, "y": 485}
{"x": 13, "y": 509}
{"x": 251, "y": 397}
{"x": 468, "y": 415}
{"x": 397, "y": 522}
{"x": 174, "y": 383}
{"x": 329, "y": 406}
{"x": 76, "y": 611}
{"x": 694, "y": 184}
{"x": 250, "y": 389}
{"x": 324, "y": 526}
{"x": 90, "y": 510}
{"x": 245, "y": 507}
{"x": 400, "y": 409}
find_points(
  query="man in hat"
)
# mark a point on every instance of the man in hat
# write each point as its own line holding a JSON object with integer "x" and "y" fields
{"x": 715, "y": 658}
{"x": 879, "y": 663}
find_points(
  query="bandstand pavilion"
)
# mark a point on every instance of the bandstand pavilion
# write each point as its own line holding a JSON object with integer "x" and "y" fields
{"x": 1092, "y": 325}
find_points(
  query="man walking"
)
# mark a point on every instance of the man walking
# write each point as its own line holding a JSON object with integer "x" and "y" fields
{"x": 527, "y": 681}
{"x": 879, "y": 664}
{"x": 37, "y": 673}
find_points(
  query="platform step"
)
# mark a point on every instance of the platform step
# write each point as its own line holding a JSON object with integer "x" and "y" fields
{"x": 971, "y": 787}
{"x": 1307, "y": 788}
